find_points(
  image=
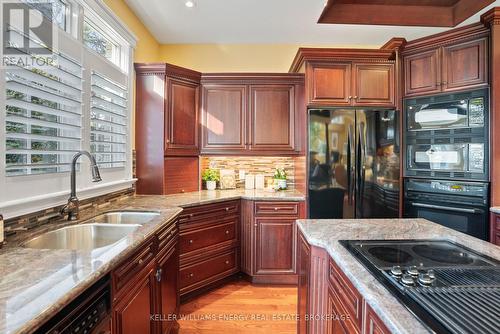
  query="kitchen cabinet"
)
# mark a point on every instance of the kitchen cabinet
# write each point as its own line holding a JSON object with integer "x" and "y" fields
{"x": 208, "y": 245}
{"x": 145, "y": 285}
{"x": 495, "y": 228}
{"x": 167, "y": 128}
{"x": 324, "y": 289}
{"x": 251, "y": 114}
{"x": 269, "y": 235}
{"x": 350, "y": 83}
{"x": 458, "y": 66}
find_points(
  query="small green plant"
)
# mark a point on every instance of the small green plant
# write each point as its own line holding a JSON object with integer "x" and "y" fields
{"x": 210, "y": 174}
{"x": 280, "y": 174}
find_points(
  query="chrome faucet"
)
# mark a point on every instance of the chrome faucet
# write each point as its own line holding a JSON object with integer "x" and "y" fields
{"x": 73, "y": 205}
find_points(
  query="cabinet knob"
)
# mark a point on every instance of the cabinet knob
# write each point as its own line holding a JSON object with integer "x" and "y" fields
{"x": 255, "y": 224}
{"x": 227, "y": 261}
{"x": 182, "y": 190}
{"x": 227, "y": 231}
{"x": 190, "y": 241}
{"x": 227, "y": 209}
{"x": 350, "y": 97}
{"x": 191, "y": 215}
{"x": 167, "y": 141}
{"x": 140, "y": 261}
{"x": 355, "y": 97}
{"x": 275, "y": 209}
{"x": 191, "y": 275}
{"x": 444, "y": 82}
{"x": 172, "y": 232}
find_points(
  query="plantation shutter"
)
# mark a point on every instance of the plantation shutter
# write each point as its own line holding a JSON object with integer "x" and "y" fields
{"x": 108, "y": 121}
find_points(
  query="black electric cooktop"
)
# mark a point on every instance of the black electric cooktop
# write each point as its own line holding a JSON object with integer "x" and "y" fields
{"x": 449, "y": 287}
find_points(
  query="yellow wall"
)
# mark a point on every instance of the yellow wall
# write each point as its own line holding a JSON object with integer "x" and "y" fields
{"x": 234, "y": 57}
{"x": 147, "y": 48}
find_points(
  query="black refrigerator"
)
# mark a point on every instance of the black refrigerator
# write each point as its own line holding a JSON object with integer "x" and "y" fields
{"x": 353, "y": 163}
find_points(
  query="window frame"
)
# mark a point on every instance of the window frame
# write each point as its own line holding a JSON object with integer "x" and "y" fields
{"x": 57, "y": 185}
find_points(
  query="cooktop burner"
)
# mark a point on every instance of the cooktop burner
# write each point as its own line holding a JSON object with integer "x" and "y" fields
{"x": 432, "y": 277}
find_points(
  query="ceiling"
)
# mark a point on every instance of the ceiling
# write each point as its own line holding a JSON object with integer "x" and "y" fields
{"x": 262, "y": 21}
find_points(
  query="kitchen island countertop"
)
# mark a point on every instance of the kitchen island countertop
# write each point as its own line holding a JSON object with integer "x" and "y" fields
{"x": 326, "y": 234}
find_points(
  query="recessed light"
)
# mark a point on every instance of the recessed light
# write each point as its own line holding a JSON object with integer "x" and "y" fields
{"x": 189, "y": 4}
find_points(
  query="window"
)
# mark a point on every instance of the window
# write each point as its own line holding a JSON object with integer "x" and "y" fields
{"x": 108, "y": 123}
{"x": 100, "y": 42}
{"x": 80, "y": 102}
{"x": 59, "y": 13}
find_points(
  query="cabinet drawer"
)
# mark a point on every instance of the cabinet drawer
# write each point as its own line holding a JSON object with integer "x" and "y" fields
{"x": 134, "y": 264}
{"x": 207, "y": 236}
{"x": 276, "y": 208}
{"x": 349, "y": 297}
{"x": 497, "y": 223}
{"x": 209, "y": 212}
{"x": 373, "y": 324}
{"x": 166, "y": 235}
{"x": 345, "y": 323}
{"x": 203, "y": 272}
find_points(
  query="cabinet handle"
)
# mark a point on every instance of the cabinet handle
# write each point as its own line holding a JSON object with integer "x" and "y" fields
{"x": 172, "y": 232}
{"x": 140, "y": 261}
{"x": 227, "y": 231}
{"x": 158, "y": 275}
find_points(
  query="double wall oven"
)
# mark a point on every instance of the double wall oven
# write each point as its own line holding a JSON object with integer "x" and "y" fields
{"x": 447, "y": 160}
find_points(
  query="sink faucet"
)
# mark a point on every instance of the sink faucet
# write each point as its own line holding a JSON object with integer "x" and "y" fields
{"x": 72, "y": 207}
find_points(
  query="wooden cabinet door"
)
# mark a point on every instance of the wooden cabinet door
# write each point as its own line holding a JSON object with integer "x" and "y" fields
{"x": 181, "y": 175}
{"x": 168, "y": 292}
{"x": 132, "y": 312}
{"x": 373, "y": 85}
{"x": 328, "y": 83}
{"x": 181, "y": 128}
{"x": 334, "y": 324}
{"x": 465, "y": 65}
{"x": 275, "y": 246}
{"x": 373, "y": 324}
{"x": 272, "y": 118}
{"x": 224, "y": 118}
{"x": 304, "y": 263}
{"x": 423, "y": 73}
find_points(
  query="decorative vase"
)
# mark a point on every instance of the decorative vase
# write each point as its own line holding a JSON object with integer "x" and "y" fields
{"x": 211, "y": 185}
{"x": 281, "y": 183}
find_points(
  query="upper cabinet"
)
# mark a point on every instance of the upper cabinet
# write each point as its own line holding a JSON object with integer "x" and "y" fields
{"x": 251, "y": 114}
{"x": 446, "y": 68}
{"x": 350, "y": 83}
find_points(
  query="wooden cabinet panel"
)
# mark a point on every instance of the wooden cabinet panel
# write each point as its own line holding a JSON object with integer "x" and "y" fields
{"x": 181, "y": 128}
{"x": 275, "y": 245}
{"x": 272, "y": 117}
{"x": 276, "y": 208}
{"x": 132, "y": 313}
{"x": 349, "y": 298}
{"x": 168, "y": 272}
{"x": 303, "y": 269}
{"x": 328, "y": 83}
{"x": 209, "y": 213}
{"x": 181, "y": 175}
{"x": 335, "y": 323}
{"x": 200, "y": 274}
{"x": 129, "y": 268}
{"x": 465, "y": 65}
{"x": 373, "y": 84}
{"x": 423, "y": 73}
{"x": 224, "y": 113}
{"x": 208, "y": 236}
{"x": 373, "y": 324}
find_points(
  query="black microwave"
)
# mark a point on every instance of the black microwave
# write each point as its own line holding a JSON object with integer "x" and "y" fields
{"x": 447, "y": 136}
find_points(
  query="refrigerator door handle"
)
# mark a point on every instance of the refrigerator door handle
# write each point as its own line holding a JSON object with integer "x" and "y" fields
{"x": 349, "y": 167}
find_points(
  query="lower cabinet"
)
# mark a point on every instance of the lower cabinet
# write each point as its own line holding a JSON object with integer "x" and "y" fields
{"x": 145, "y": 286}
{"x": 269, "y": 235}
{"x": 328, "y": 296}
{"x": 209, "y": 246}
{"x": 495, "y": 229}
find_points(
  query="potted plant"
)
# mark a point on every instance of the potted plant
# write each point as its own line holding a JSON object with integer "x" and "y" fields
{"x": 280, "y": 178}
{"x": 210, "y": 176}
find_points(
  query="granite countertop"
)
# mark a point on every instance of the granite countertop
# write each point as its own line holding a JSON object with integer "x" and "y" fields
{"x": 326, "y": 234}
{"x": 35, "y": 284}
{"x": 495, "y": 209}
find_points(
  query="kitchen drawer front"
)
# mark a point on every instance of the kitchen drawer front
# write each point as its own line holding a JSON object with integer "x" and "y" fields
{"x": 134, "y": 264}
{"x": 208, "y": 236}
{"x": 350, "y": 298}
{"x": 348, "y": 324}
{"x": 209, "y": 270}
{"x": 497, "y": 222}
{"x": 209, "y": 212}
{"x": 277, "y": 209}
{"x": 373, "y": 324}
{"x": 166, "y": 235}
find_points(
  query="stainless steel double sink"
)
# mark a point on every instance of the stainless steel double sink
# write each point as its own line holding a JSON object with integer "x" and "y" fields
{"x": 100, "y": 231}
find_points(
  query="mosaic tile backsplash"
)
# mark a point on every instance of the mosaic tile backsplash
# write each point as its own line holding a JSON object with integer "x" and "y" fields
{"x": 251, "y": 165}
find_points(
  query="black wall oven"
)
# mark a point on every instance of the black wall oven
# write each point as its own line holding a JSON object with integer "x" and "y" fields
{"x": 446, "y": 136}
{"x": 463, "y": 206}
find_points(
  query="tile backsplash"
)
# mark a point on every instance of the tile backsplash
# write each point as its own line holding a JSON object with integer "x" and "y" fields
{"x": 251, "y": 165}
